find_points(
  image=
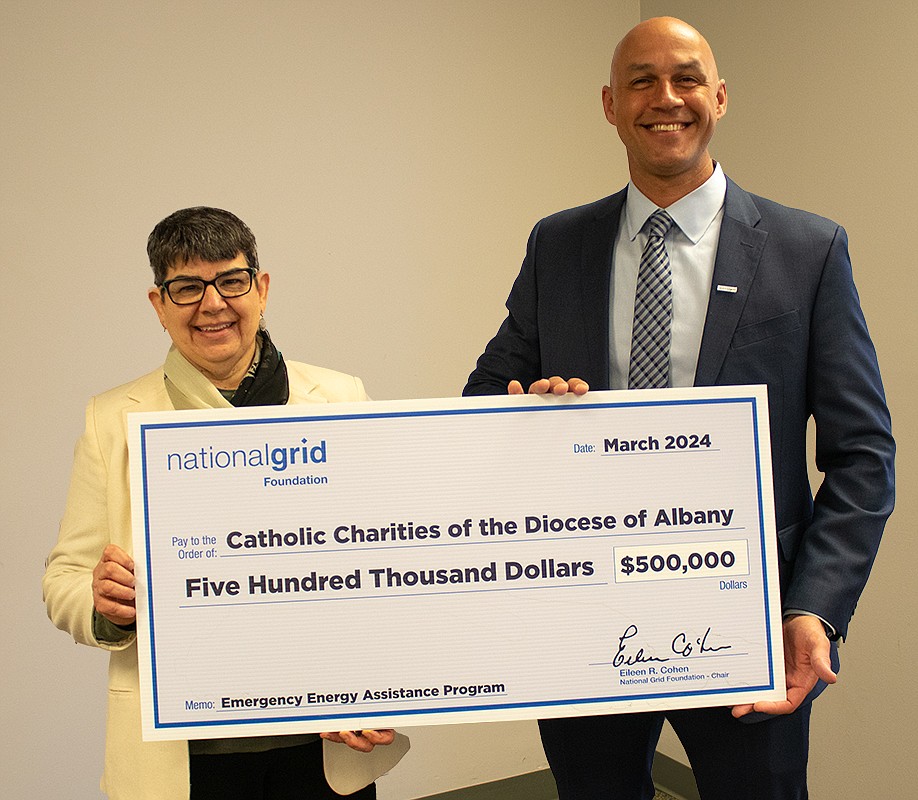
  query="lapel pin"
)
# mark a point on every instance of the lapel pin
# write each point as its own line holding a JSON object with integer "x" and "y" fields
{"x": 721, "y": 287}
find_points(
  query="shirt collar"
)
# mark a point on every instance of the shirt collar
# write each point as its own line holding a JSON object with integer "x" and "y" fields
{"x": 693, "y": 214}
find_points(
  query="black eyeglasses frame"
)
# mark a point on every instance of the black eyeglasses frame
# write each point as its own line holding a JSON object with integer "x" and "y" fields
{"x": 164, "y": 286}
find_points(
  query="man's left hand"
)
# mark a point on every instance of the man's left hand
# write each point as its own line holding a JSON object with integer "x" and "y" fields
{"x": 806, "y": 660}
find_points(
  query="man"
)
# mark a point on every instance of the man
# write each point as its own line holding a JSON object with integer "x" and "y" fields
{"x": 748, "y": 291}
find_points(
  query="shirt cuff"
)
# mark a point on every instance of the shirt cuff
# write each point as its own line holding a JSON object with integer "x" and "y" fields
{"x": 799, "y": 612}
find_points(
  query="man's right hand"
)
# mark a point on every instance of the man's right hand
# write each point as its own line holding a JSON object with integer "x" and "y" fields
{"x": 113, "y": 586}
{"x": 553, "y": 385}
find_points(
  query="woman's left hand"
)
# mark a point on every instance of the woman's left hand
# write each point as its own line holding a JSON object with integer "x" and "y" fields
{"x": 364, "y": 741}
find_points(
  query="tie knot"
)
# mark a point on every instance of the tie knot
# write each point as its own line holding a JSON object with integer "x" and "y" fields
{"x": 658, "y": 224}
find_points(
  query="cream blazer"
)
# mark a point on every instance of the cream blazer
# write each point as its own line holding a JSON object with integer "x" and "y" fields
{"x": 98, "y": 512}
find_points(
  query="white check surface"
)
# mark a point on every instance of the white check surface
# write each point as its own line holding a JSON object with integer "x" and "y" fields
{"x": 311, "y": 568}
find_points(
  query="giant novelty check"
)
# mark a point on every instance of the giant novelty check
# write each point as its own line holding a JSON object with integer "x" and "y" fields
{"x": 347, "y": 566}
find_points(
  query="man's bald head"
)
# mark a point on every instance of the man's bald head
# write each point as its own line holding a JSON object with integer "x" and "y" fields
{"x": 664, "y": 99}
{"x": 663, "y": 29}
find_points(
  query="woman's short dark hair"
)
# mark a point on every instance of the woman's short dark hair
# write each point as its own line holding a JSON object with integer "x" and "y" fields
{"x": 199, "y": 234}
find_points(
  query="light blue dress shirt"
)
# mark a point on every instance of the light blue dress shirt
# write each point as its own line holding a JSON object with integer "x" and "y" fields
{"x": 692, "y": 246}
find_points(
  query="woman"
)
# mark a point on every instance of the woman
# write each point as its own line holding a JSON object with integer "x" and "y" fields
{"x": 210, "y": 297}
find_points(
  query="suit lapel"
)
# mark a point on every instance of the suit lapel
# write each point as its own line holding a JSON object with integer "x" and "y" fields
{"x": 146, "y": 394}
{"x": 305, "y": 394}
{"x": 738, "y": 254}
{"x": 595, "y": 281}
{"x": 149, "y": 393}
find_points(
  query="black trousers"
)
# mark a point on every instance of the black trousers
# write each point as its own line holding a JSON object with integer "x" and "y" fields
{"x": 610, "y": 757}
{"x": 285, "y": 773}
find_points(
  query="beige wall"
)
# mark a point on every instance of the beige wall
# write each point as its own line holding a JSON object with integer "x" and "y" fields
{"x": 821, "y": 106}
{"x": 391, "y": 157}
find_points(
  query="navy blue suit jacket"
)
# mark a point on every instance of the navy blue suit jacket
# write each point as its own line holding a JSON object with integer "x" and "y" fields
{"x": 794, "y": 324}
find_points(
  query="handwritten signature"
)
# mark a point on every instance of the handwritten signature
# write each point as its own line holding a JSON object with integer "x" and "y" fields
{"x": 630, "y": 652}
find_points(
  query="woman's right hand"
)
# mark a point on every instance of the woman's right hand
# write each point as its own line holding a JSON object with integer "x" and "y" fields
{"x": 113, "y": 586}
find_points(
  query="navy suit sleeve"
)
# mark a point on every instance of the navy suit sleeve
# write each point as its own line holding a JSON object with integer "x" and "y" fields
{"x": 558, "y": 310}
{"x": 854, "y": 451}
{"x": 513, "y": 353}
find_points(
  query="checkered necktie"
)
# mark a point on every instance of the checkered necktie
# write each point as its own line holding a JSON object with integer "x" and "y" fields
{"x": 653, "y": 309}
